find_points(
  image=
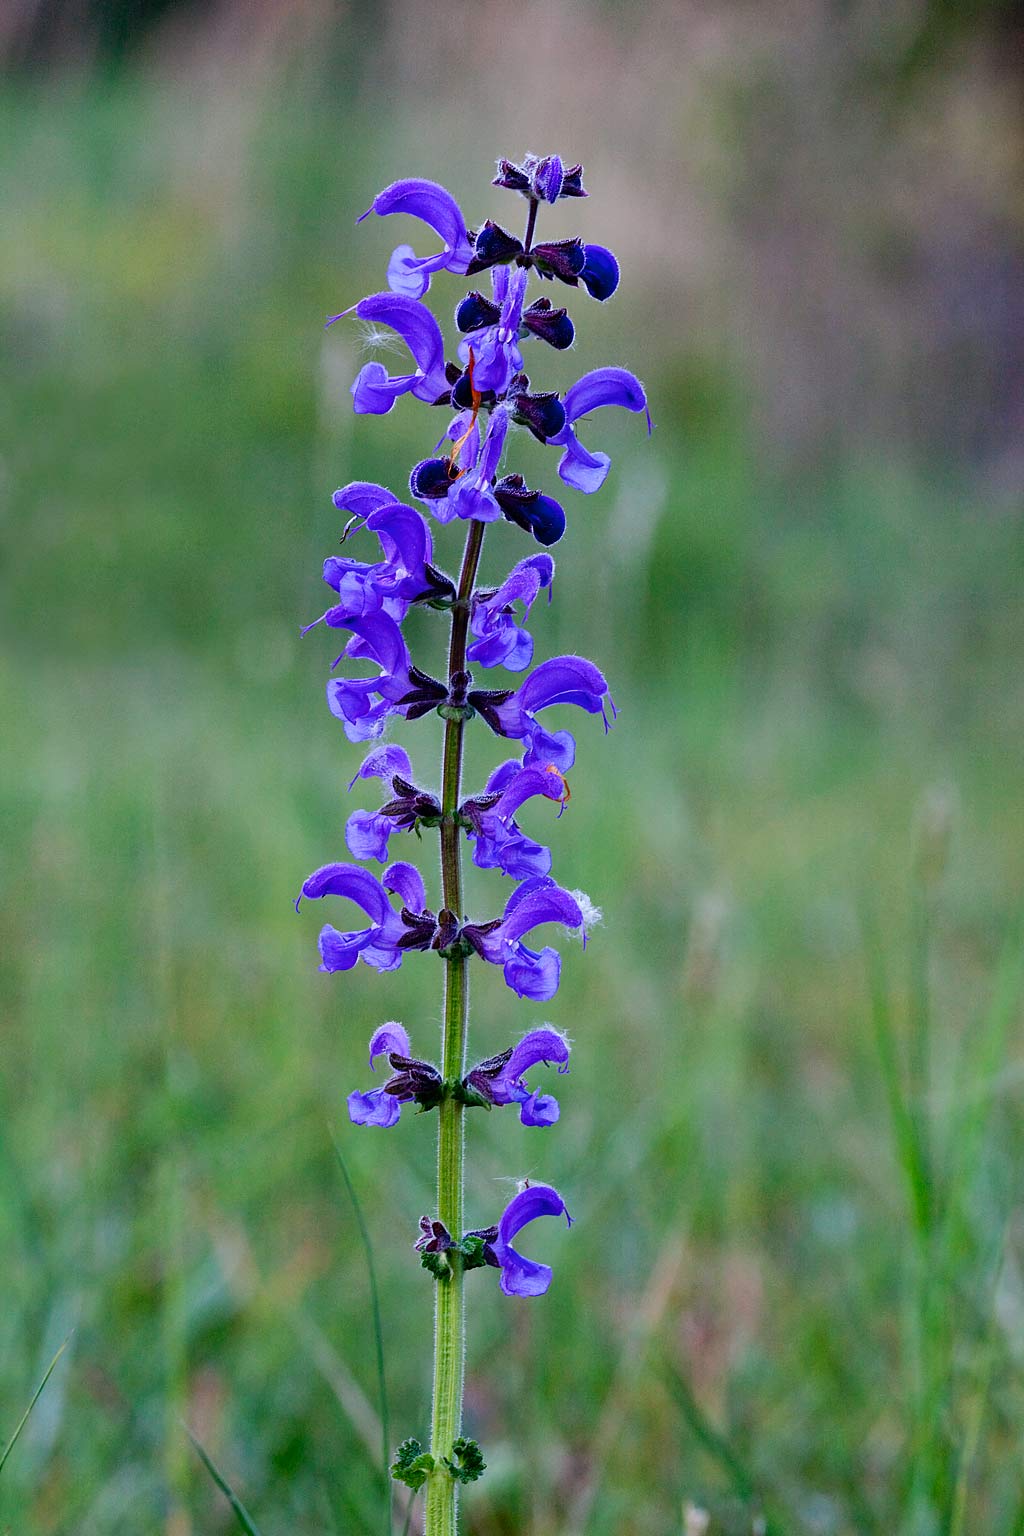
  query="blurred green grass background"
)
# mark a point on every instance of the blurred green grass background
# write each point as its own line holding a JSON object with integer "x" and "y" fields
{"x": 793, "y": 1295}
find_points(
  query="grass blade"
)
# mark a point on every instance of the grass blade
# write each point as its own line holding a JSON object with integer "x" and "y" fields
{"x": 905, "y": 1125}
{"x": 717, "y": 1447}
{"x": 378, "y": 1331}
{"x": 37, "y": 1394}
{"x": 242, "y": 1515}
{"x": 984, "y": 1056}
{"x": 708, "y": 1437}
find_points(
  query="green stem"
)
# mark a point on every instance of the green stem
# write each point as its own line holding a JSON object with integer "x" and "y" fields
{"x": 449, "y": 1326}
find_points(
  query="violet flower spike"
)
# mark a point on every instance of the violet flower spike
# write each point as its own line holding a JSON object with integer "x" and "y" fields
{"x": 409, "y": 274}
{"x": 490, "y": 617}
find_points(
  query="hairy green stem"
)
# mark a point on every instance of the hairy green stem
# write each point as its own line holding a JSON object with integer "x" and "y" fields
{"x": 449, "y": 1326}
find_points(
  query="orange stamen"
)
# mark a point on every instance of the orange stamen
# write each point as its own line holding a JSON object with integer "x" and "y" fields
{"x": 476, "y": 411}
{"x": 566, "y": 791}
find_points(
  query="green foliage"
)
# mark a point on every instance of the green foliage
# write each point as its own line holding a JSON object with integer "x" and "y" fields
{"x": 436, "y": 1264}
{"x": 472, "y": 1250}
{"x": 468, "y": 1464}
{"x": 468, "y": 1095}
{"x": 412, "y": 1464}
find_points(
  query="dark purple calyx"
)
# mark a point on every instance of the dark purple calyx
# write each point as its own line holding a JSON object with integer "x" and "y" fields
{"x": 550, "y": 324}
{"x": 426, "y": 694}
{"x": 477, "y": 1248}
{"x": 411, "y": 806}
{"x": 493, "y": 246}
{"x": 539, "y": 514}
{"x": 421, "y": 929}
{"x": 472, "y": 811}
{"x": 447, "y": 934}
{"x": 414, "y": 1080}
{"x": 544, "y": 413}
{"x": 432, "y": 479}
{"x": 475, "y": 312}
{"x": 564, "y": 259}
{"x": 464, "y": 398}
{"x": 434, "y": 1236}
{"x": 475, "y": 933}
{"x": 440, "y": 588}
{"x": 481, "y": 1078}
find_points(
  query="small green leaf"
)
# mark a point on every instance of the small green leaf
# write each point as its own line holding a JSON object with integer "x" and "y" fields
{"x": 463, "y": 1093}
{"x": 412, "y": 1464}
{"x": 469, "y": 1457}
{"x": 473, "y": 1250}
{"x": 437, "y": 1264}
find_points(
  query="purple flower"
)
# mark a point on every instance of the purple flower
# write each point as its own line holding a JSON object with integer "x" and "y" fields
{"x": 383, "y": 763}
{"x": 519, "y": 1276}
{"x": 400, "y": 687}
{"x": 362, "y": 497}
{"x": 475, "y": 313}
{"x": 493, "y": 245}
{"x": 499, "y": 1080}
{"x": 495, "y": 348}
{"x": 498, "y": 841}
{"x": 461, "y": 485}
{"x": 530, "y": 973}
{"x": 375, "y": 390}
{"x": 472, "y": 495}
{"x": 405, "y": 575}
{"x": 579, "y": 468}
{"x": 413, "y": 1081}
{"x": 408, "y": 273}
{"x": 390, "y": 933}
{"x": 378, "y": 1107}
{"x": 562, "y": 680}
{"x": 367, "y": 832}
{"x": 500, "y": 640}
